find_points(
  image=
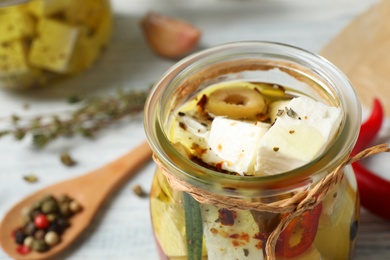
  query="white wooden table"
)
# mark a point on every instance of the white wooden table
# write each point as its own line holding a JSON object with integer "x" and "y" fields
{"x": 122, "y": 230}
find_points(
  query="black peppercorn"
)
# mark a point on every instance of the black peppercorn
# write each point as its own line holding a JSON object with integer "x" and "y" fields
{"x": 55, "y": 227}
{"x": 20, "y": 236}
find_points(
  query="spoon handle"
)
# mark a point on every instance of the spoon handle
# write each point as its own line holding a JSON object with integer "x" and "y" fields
{"x": 101, "y": 182}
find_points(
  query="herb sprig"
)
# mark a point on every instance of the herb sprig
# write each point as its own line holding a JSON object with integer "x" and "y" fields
{"x": 90, "y": 117}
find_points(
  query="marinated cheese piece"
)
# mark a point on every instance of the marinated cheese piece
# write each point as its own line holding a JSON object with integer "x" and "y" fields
{"x": 233, "y": 237}
{"x": 90, "y": 45}
{"x": 14, "y": 70}
{"x": 15, "y": 25}
{"x": 47, "y": 7}
{"x": 298, "y": 136}
{"x": 54, "y": 48}
{"x": 235, "y": 143}
{"x": 13, "y": 58}
{"x": 86, "y": 12}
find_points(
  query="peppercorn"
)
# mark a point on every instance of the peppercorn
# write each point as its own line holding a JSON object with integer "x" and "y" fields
{"x": 51, "y": 217}
{"x": 19, "y": 236}
{"x": 63, "y": 222}
{"x": 29, "y": 229}
{"x": 41, "y": 221}
{"x": 39, "y": 245}
{"x": 26, "y": 212}
{"x": 52, "y": 238}
{"x": 36, "y": 205}
{"x": 64, "y": 198}
{"x": 39, "y": 234}
{"x": 49, "y": 206}
{"x": 74, "y": 206}
{"x": 34, "y": 213}
{"x": 28, "y": 241}
{"x": 65, "y": 210}
{"x": 23, "y": 250}
{"x": 55, "y": 227}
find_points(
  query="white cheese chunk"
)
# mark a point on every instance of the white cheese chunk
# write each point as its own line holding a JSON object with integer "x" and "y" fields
{"x": 297, "y": 137}
{"x": 234, "y": 241}
{"x": 234, "y": 144}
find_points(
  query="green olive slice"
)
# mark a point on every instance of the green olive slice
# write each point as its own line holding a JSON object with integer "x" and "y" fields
{"x": 236, "y": 103}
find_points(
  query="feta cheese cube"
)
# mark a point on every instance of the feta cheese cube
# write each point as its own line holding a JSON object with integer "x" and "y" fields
{"x": 54, "y": 48}
{"x": 298, "y": 136}
{"x": 47, "y": 7}
{"x": 236, "y": 241}
{"x": 234, "y": 144}
{"x": 15, "y": 25}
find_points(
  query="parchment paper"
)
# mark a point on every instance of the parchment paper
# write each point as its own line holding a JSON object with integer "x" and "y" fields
{"x": 362, "y": 52}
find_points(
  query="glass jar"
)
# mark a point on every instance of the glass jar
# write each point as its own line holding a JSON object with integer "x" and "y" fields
{"x": 198, "y": 213}
{"x": 44, "y": 40}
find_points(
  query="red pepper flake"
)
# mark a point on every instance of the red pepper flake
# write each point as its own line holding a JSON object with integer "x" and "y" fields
{"x": 263, "y": 236}
{"x": 197, "y": 149}
{"x": 244, "y": 236}
{"x": 234, "y": 236}
{"x": 276, "y": 149}
{"x": 259, "y": 245}
{"x": 202, "y": 103}
{"x": 220, "y": 147}
{"x": 291, "y": 131}
{"x": 305, "y": 117}
{"x": 227, "y": 217}
{"x": 235, "y": 243}
{"x": 219, "y": 166}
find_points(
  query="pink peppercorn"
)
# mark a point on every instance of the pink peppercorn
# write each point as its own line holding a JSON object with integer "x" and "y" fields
{"x": 41, "y": 221}
{"x": 23, "y": 250}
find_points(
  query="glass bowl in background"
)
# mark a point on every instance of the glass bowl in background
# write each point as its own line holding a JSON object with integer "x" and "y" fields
{"x": 45, "y": 40}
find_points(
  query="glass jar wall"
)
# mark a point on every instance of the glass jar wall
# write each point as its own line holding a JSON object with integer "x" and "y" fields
{"x": 41, "y": 41}
{"x": 199, "y": 213}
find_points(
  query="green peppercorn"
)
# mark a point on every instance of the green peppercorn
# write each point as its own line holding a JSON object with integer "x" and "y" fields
{"x": 65, "y": 210}
{"x": 52, "y": 238}
{"x": 39, "y": 245}
{"x": 49, "y": 206}
{"x": 64, "y": 198}
{"x": 36, "y": 205}
{"x": 51, "y": 217}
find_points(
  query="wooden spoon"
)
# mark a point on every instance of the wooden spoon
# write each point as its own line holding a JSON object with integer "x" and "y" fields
{"x": 89, "y": 190}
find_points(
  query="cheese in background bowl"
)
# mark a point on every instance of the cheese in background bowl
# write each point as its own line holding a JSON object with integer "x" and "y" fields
{"x": 45, "y": 40}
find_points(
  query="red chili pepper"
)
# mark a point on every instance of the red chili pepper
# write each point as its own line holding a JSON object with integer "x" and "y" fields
{"x": 305, "y": 227}
{"x": 370, "y": 128}
{"x": 374, "y": 191}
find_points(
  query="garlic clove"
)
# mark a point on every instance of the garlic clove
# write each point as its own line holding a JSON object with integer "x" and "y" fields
{"x": 169, "y": 37}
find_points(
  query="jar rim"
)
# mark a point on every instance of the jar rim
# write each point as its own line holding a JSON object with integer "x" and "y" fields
{"x": 295, "y": 177}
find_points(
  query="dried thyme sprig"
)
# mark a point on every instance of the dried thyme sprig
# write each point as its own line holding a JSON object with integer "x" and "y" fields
{"x": 92, "y": 116}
